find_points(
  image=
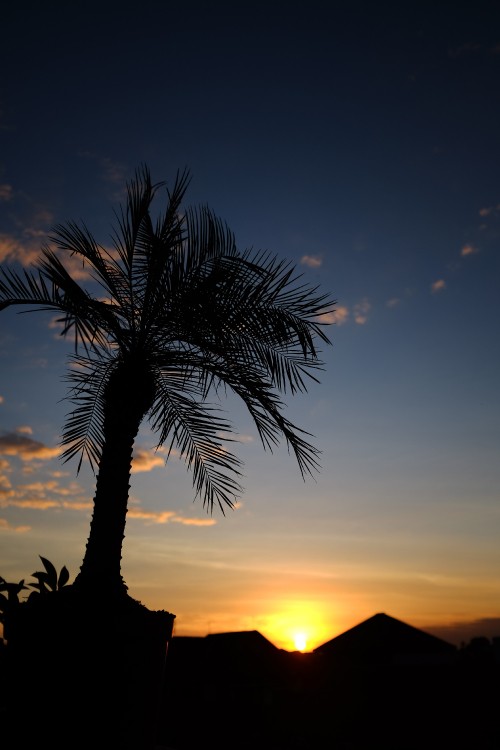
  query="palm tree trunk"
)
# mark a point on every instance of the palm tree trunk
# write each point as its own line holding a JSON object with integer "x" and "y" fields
{"x": 100, "y": 571}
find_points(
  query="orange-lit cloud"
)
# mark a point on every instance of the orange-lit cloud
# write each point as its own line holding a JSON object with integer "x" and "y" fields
{"x": 194, "y": 521}
{"x": 487, "y": 210}
{"x": 149, "y": 515}
{"x": 168, "y": 516}
{"x": 43, "y": 495}
{"x": 338, "y": 316}
{"x": 361, "y": 310}
{"x": 12, "y": 250}
{"x": 34, "y": 503}
{"x": 468, "y": 250}
{"x": 27, "y": 251}
{"x": 312, "y": 261}
{"x": 24, "y": 430}
{"x": 438, "y": 286}
{"x": 6, "y": 526}
{"x": 146, "y": 460}
{"x": 16, "y": 444}
{"x": 2, "y": 399}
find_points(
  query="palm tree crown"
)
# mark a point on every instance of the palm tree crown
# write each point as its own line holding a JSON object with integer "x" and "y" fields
{"x": 181, "y": 314}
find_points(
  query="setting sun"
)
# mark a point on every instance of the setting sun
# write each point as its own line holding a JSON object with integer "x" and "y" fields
{"x": 300, "y": 641}
{"x": 298, "y": 624}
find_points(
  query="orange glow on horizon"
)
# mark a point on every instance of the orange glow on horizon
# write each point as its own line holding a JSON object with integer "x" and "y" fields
{"x": 298, "y": 626}
{"x": 300, "y": 641}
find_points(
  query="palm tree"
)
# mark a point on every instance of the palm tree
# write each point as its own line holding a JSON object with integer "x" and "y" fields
{"x": 179, "y": 317}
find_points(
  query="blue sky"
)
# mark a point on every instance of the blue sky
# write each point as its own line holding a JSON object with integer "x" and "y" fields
{"x": 359, "y": 142}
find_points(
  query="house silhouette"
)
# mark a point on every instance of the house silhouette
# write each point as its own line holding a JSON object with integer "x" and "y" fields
{"x": 385, "y": 640}
{"x": 382, "y": 685}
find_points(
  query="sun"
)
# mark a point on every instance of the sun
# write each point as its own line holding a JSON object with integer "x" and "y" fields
{"x": 300, "y": 641}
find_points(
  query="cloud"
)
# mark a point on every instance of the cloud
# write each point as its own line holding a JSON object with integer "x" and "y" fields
{"x": 338, "y": 316}
{"x": 468, "y": 250}
{"x": 149, "y": 515}
{"x": 44, "y": 496}
{"x": 6, "y": 526}
{"x": 27, "y": 251}
{"x": 144, "y": 460}
{"x": 313, "y": 261}
{"x": 13, "y": 250}
{"x": 15, "y": 444}
{"x": 488, "y": 210}
{"x": 24, "y": 430}
{"x": 438, "y": 286}
{"x": 393, "y": 302}
{"x": 35, "y": 503}
{"x": 361, "y": 310}
{"x": 194, "y": 521}
{"x": 2, "y": 399}
{"x": 245, "y": 438}
{"x": 5, "y": 192}
{"x": 168, "y": 516}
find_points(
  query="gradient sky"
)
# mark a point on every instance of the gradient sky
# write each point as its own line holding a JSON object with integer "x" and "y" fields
{"x": 361, "y": 142}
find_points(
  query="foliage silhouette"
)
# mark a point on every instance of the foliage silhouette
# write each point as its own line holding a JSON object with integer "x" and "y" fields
{"x": 179, "y": 316}
{"x": 47, "y": 581}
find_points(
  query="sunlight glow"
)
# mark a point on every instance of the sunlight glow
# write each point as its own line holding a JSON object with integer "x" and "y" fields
{"x": 300, "y": 640}
{"x": 297, "y": 624}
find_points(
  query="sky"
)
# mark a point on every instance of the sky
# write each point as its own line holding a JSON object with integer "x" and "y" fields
{"x": 360, "y": 142}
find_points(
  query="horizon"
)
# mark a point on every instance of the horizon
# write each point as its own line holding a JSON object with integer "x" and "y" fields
{"x": 458, "y": 634}
{"x": 361, "y": 145}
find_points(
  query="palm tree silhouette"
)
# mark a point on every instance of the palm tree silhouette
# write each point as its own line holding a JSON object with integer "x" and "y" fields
{"x": 179, "y": 316}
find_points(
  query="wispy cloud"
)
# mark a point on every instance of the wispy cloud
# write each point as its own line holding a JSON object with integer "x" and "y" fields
{"x": 488, "y": 210}
{"x": 149, "y": 515}
{"x": 44, "y": 496}
{"x": 312, "y": 261}
{"x": 168, "y": 516}
{"x": 24, "y": 430}
{"x": 468, "y": 250}
{"x": 338, "y": 316}
{"x": 13, "y": 250}
{"x": 361, "y": 310}
{"x": 27, "y": 250}
{"x": 438, "y": 286}
{"x": 6, "y": 192}
{"x": 6, "y": 526}
{"x": 393, "y": 302}
{"x": 194, "y": 521}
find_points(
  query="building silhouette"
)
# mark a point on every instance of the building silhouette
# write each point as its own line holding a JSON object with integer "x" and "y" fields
{"x": 382, "y": 685}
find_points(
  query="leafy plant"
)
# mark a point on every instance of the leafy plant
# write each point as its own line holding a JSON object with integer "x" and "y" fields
{"x": 9, "y": 599}
{"x": 46, "y": 581}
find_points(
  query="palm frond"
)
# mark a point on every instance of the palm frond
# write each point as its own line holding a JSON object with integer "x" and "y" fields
{"x": 193, "y": 428}
{"x": 83, "y": 431}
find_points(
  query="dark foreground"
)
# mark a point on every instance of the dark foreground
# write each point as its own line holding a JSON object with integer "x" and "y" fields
{"x": 258, "y": 699}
